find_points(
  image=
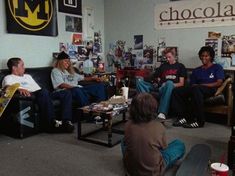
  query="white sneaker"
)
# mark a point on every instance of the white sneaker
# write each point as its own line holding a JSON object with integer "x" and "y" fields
{"x": 98, "y": 120}
{"x": 161, "y": 116}
{"x": 58, "y": 123}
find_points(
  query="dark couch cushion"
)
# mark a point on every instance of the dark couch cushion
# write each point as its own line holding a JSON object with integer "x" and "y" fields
{"x": 42, "y": 76}
{"x": 215, "y": 100}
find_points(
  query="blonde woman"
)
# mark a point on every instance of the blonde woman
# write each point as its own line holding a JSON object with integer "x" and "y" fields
{"x": 63, "y": 76}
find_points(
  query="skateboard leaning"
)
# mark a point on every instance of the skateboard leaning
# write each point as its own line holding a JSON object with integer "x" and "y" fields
{"x": 196, "y": 161}
{"x": 6, "y": 96}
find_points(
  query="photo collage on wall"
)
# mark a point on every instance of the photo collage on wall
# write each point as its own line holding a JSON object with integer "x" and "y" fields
{"x": 224, "y": 47}
{"x": 139, "y": 56}
{"x": 80, "y": 45}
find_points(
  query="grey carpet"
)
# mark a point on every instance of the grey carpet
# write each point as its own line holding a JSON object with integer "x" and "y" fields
{"x": 63, "y": 155}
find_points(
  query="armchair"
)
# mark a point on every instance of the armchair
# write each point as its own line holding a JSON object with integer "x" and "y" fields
{"x": 222, "y": 101}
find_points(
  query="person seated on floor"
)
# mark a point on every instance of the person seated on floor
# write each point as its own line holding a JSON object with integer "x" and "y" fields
{"x": 28, "y": 87}
{"x": 63, "y": 76}
{"x": 188, "y": 102}
{"x": 144, "y": 147}
{"x": 169, "y": 75}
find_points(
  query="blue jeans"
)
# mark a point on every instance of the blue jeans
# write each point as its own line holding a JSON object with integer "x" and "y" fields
{"x": 174, "y": 151}
{"x": 65, "y": 98}
{"x": 165, "y": 93}
{"x": 143, "y": 86}
{"x": 82, "y": 94}
{"x": 44, "y": 102}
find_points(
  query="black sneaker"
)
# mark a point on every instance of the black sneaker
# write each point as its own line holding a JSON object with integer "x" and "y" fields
{"x": 68, "y": 127}
{"x": 179, "y": 122}
{"x": 56, "y": 127}
{"x": 192, "y": 125}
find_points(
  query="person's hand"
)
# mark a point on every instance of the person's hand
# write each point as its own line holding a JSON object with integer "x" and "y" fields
{"x": 24, "y": 92}
{"x": 97, "y": 79}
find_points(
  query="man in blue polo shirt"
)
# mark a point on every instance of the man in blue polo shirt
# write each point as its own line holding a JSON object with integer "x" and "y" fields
{"x": 188, "y": 102}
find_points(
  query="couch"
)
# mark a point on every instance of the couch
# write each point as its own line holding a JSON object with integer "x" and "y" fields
{"x": 21, "y": 118}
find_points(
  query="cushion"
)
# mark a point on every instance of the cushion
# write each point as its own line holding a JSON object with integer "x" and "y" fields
{"x": 215, "y": 100}
{"x": 221, "y": 88}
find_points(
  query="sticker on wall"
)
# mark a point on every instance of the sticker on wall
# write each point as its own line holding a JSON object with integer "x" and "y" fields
{"x": 73, "y": 24}
{"x": 70, "y": 6}
{"x": 228, "y": 45}
{"x": 214, "y": 43}
{"x": 77, "y": 39}
{"x": 89, "y": 23}
{"x": 31, "y": 17}
{"x": 138, "y": 41}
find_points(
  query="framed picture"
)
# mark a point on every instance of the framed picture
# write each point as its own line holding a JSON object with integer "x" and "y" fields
{"x": 214, "y": 44}
{"x": 73, "y": 24}
{"x": 160, "y": 53}
{"x": 228, "y": 45}
{"x": 138, "y": 41}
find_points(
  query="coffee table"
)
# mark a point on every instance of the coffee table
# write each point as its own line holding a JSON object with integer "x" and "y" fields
{"x": 107, "y": 116}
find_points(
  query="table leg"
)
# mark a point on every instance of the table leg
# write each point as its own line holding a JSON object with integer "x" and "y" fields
{"x": 110, "y": 131}
{"x": 80, "y": 116}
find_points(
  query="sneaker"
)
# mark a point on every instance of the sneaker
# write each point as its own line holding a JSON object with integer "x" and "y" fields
{"x": 98, "y": 120}
{"x": 57, "y": 123}
{"x": 161, "y": 116}
{"x": 192, "y": 125}
{"x": 179, "y": 122}
{"x": 56, "y": 127}
{"x": 68, "y": 127}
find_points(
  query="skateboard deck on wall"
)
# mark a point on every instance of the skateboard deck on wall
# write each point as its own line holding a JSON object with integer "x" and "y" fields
{"x": 6, "y": 96}
{"x": 196, "y": 161}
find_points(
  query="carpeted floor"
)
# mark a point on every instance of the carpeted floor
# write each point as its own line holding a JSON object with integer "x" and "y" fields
{"x": 63, "y": 155}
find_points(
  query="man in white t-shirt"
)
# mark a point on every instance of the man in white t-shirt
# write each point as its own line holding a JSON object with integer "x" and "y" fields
{"x": 29, "y": 87}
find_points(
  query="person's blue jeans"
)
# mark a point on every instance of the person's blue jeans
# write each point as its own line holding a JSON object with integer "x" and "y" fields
{"x": 96, "y": 90}
{"x": 65, "y": 98}
{"x": 165, "y": 97}
{"x": 81, "y": 95}
{"x": 143, "y": 86}
{"x": 43, "y": 99}
{"x": 174, "y": 151}
{"x": 164, "y": 91}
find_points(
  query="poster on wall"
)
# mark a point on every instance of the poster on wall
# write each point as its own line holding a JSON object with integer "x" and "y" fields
{"x": 214, "y": 43}
{"x": 32, "y": 17}
{"x": 138, "y": 58}
{"x": 138, "y": 41}
{"x": 89, "y": 23}
{"x": 228, "y": 45}
{"x": 77, "y": 39}
{"x": 148, "y": 56}
{"x": 97, "y": 47}
{"x": 197, "y": 13}
{"x": 70, "y": 6}
{"x": 73, "y": 24}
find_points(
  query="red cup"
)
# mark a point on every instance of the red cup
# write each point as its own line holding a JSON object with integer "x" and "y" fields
{"x": 219, "y": 169}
